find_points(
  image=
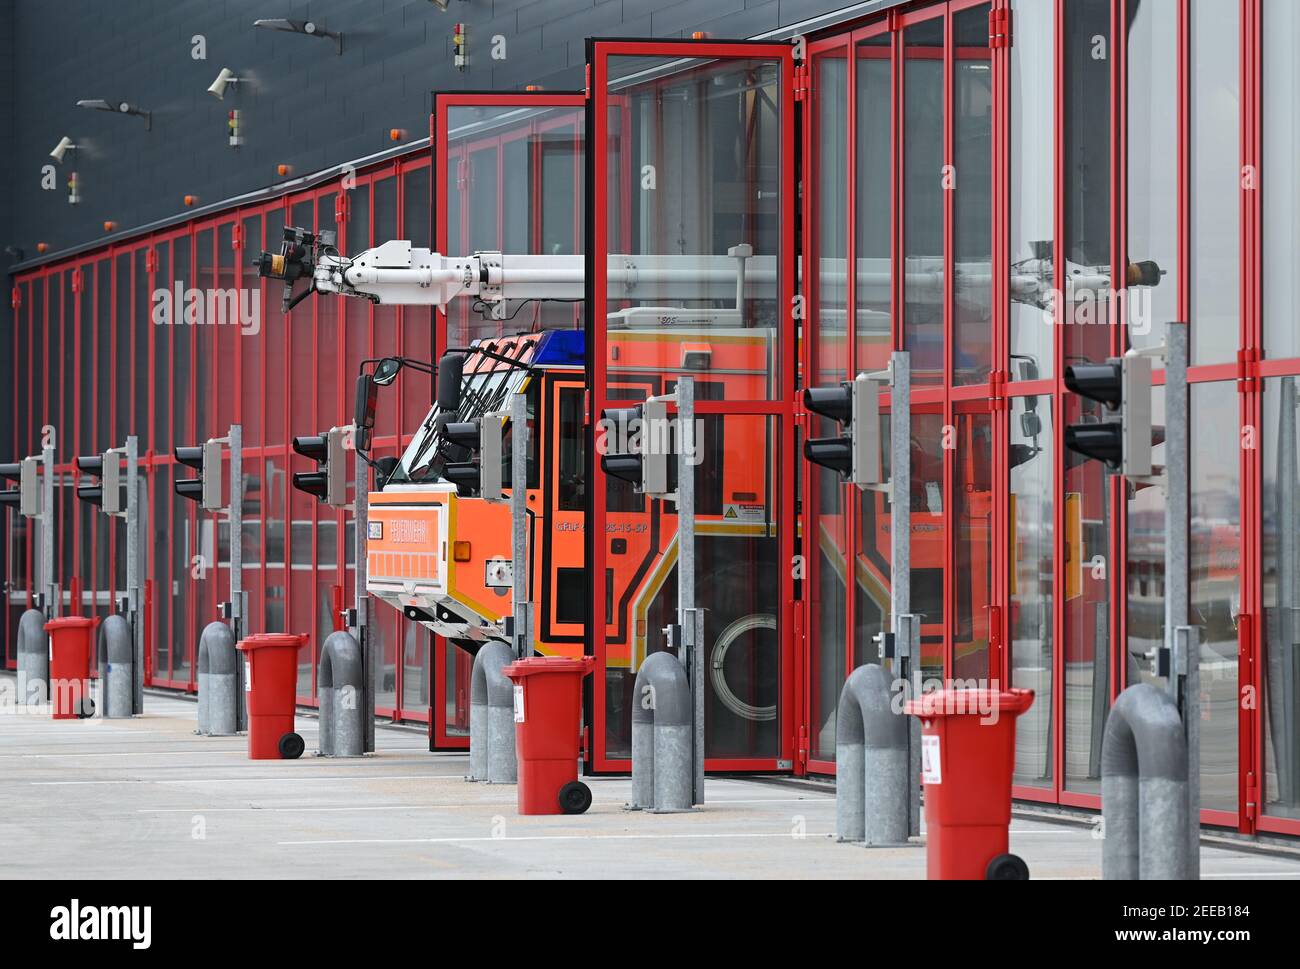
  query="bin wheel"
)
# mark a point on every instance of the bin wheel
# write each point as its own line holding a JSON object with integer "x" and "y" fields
{"x": 291, "y": 746}
{"x": 87, "y": 708}
{"x": 1007, "y": 868}
{"x": 575, "y": 797}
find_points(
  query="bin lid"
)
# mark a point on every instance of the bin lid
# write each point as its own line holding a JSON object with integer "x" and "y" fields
{"x": 956, "y": 703}
{"x": 70, "y": 622}
{"x": 549, "y": 664}
{"x": 258, "y": 640}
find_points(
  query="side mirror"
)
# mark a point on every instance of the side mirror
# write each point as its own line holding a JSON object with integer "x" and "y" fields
{"x": 451, "y": 369}
{"x": 363, "y": 416}
{"x": 384, "y": 468}
{"x": 386, "y": 370}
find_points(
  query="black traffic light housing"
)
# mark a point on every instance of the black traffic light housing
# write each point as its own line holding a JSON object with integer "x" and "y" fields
{"x": 855, "y": 453}
{"x": 106, "y": 493}
{"x": 206, "y": 459}
{"x": 328, "y": 483}
{"x": 1123, "y": 386}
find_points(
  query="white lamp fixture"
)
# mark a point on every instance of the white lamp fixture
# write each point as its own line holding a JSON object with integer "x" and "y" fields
{"x": 218, "y": 87}
{"x": 65, "y": 144}
{"x": 309, "y": 28}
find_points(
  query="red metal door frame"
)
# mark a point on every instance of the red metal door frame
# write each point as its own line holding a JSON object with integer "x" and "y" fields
{"x": 443, "y": 103}
{"x": 781, "y": 410}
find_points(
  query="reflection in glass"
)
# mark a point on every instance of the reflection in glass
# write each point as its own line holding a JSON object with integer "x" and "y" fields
{"x": 1031, "y": 545}
{"x": 1281, "y": 585}
{"x": 1087, "y": 520}
{"x": 873, "y": 204}
{"x": 1215, "y": 582}
{"x": 1145, "y": 546}
{"x": 1281, "y": 216}
{"x": 923, "y": 199}
{"x": 972, "y": 486}
{"x": 972, "y": 229}
{"x": 1215, "y": 181}
{"x": 928, "y": 539}
{"x": 1086, "y": 180}
{"x": 1152, "y": 170}
{"x": 830, "y": 365}
{"x": 1032, "y": 190}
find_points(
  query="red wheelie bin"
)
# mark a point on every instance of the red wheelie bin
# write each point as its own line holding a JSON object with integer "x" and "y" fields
{"x": 271, "y": 686}
{"x": 968, "y": 753}
{"x": 548, "y": 725}
{"x": 71, "y": 647}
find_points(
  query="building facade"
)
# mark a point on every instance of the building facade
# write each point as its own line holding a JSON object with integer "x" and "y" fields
{"x": 1002, "y": 188}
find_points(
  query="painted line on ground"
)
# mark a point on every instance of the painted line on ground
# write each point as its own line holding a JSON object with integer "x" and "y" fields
{"x": 564, "y": 837}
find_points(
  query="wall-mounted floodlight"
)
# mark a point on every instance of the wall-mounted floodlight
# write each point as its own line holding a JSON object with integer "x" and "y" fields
{"x": 308, "y": 27}
{"x": 62, "y": 148}
{"x": 15, "y": 252}
{"x": 218, "y": 87}
{"x": 440, "y": 4}
{"x": 121, "y": 107}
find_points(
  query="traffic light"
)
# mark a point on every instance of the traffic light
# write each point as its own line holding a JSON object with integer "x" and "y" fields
{"x": 108, "y": 493}
{"x": 855, "y": 406}
{"x": 639, "y": 443}
{"x": 1123, "y": 385}
{"x": 28, "y": 494}
{"x": 328, "y": 483}
{"x": 206, "y": 488}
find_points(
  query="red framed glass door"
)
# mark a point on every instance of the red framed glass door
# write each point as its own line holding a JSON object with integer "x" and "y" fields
{"x": 691, "y": 269}
{"x": 507, "y": 175}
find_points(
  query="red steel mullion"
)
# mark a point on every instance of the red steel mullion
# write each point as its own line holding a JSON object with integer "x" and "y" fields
{"x": 1058, "y": 424}
{"x": 949, "y": 343}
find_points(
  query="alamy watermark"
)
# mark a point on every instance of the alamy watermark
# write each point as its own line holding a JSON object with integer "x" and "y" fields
{"x": 241, "y": 307}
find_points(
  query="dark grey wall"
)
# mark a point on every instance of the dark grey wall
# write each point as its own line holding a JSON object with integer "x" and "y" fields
{"x": 305, "y": 106}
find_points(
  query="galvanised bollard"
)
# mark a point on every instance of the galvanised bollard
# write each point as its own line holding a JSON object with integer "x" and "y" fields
{"x": 218, "y": 687}
{"x": 662, "y": 736}
{"x": 339, "y": 686}
{"x": 33, "y": 659}
{"x": 119, "y": 666}
{"x": 871, "y": 761}
{"x": 492, "y": 717}
{"x": 1144, "y": 793}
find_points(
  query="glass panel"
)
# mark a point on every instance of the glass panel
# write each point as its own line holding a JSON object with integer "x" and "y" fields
{"x": 1086, "y": 180}
{"x": 514, "y": 182}
{"x": 1281, "y": 135}
{"x": 872, "y": 585}
{"x": 187, "y": 539}
{"x": 1031, "y": 545}
{"x": 458, "y": 666}
{"x": 972, "y": 212}
{"x": 1145, "y": 544}
{"x": 1087, "y": 519}
{"x": 928, "y": 543}
{"x": 142, "y": 329}
{"x": 416, "y": 643}
{"x": 875, "y": 199}
{"x": 1216, "y": 181}
{"x": 923, "y": 199}
{"x": 1215, "y": 582}
{"x": 972, "y": 579}
{"x": 1281, "y": 583}
{"x": 1152, "y": 170}
{"x": 737, "y": 550}
{"x": 1033, "y": 207}
{"x": 693, "y": 204}
{"x": 828, "y": 544}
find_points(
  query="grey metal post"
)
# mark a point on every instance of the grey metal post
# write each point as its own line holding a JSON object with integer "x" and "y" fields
{"x": 690, "y": 616}
{"x": 1182, "y": 642}
{"x": 235, "y": 512}
{"x": 49, "y": 594}
{"x": 134, "y": 597}
{"x": 872, "y": 779}
{"x": 361, "y": 630}
{"x": 907, "y": 627}
{"x": 522, "y": 609}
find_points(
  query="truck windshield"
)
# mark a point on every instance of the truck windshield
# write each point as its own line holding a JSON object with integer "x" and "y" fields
{"x": 483, "y": 391}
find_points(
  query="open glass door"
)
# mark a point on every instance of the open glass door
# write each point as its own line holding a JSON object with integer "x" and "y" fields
{"x": 508, "y": 176}
{"x": 691, "y": 270}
